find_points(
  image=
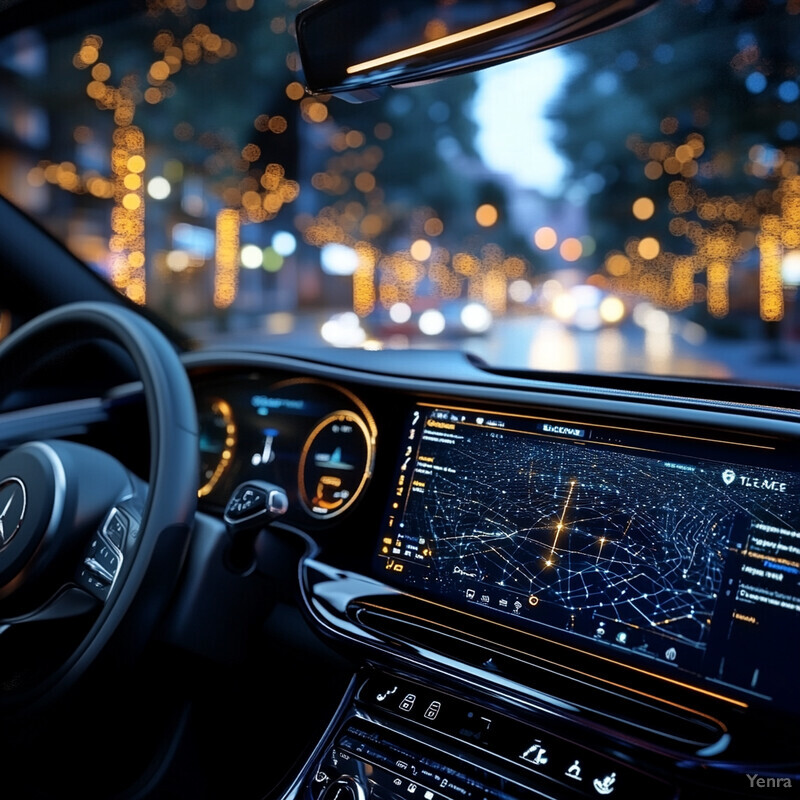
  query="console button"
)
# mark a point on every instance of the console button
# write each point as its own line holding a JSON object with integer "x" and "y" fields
{"x": 433, "y": 710}
{"x": 605, "y": 785}
{"x": 382, "y": 695}
{"x": 408, "y": 702}
{"x": 537, "y": 754}
{"x": 574, "y": 771}
{"x": 546, "y": 757}
{"x": 344, "y": 788}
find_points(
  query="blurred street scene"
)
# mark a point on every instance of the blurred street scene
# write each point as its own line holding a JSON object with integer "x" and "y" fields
{"x": 629, "y": 203}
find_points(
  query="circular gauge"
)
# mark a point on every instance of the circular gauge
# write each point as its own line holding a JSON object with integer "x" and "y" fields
{"x": 217, "y": 443}
{"x": 335, "y": 464}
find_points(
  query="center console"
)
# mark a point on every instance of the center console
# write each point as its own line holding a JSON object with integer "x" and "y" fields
{"x": 400, "y": 738}
{"x": 566, "y": 606}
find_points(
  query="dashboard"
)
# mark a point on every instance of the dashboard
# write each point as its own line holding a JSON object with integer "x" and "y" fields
{"x": 551, "y": 589}
{"x": 313, "y": 437}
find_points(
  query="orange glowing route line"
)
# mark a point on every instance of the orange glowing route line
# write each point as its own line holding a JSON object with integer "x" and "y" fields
{"x": 602, "y": 542}
{"x": 673, "y": 619}
{"x": 561, "y": 521}
{"x": 683, "y": 685}
{"x": 453, "y": 38}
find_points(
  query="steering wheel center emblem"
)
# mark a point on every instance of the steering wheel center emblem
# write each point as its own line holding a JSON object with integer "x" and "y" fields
{"x": 13, "y": 503}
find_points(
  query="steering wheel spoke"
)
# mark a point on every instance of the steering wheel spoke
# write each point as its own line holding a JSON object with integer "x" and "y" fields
{"x": 69, "y": 418}
{"x": 68, "y": 602}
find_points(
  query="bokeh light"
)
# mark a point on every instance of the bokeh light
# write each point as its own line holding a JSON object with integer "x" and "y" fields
{"x": 545, "y": 238}
{"x": 159, "y": 188}
{"x": 432, "y": 322}
{"x": 486, "y": 215}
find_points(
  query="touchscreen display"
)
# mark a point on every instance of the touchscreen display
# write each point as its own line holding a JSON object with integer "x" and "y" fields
{"x": 624, "y": 543}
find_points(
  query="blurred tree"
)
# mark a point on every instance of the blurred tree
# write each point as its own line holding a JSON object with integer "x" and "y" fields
{"x": 212, "y": 95}
{"x": 693, "y": 106}
{"x": 404, "y": 168}
{"x": 419, "y": 140}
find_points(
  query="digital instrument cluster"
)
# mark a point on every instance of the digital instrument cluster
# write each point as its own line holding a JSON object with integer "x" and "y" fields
{"x": 314, "y": 439}
{"x": 653, "y": 550}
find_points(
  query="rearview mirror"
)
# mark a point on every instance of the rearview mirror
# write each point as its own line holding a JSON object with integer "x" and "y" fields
{"x": 353, "y": 47}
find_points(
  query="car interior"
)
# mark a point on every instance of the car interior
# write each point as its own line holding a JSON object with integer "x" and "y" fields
{"x": 300, "y": 573}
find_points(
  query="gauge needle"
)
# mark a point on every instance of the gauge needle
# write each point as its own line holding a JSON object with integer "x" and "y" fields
{"x": 266, "y": 454}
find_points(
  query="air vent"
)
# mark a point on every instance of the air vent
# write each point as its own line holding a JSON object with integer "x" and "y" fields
{"x": 603, "y": 700}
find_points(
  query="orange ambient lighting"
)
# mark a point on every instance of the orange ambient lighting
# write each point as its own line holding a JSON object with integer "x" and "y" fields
{"x": 453, "y": 38}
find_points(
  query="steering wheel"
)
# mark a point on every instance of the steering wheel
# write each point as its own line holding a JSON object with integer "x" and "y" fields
{"x": 89, "y": 552}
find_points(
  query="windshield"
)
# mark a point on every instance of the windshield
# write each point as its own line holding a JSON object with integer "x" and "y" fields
{"x": 627, "y": 203}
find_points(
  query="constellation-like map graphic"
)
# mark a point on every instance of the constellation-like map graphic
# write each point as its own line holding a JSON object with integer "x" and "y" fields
{"x": 599, "y": 540}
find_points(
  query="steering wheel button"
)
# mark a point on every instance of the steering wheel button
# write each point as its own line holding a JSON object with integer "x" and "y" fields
{"x": 96, "y": 586}
{"x": 99, "y": 570}
{"x": 102, "y": 557}
{"x": 115, "y": 528}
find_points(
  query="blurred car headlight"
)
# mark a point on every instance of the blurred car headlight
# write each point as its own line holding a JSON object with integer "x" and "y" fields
{"x": 344, "y": 330}
{"x": 476, "y": 318}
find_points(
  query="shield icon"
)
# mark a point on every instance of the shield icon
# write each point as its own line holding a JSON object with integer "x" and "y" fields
{"x": 729, "y": 476}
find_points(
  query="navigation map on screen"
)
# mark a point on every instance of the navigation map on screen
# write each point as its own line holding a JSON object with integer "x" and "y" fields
{"x": 592, "y": 532}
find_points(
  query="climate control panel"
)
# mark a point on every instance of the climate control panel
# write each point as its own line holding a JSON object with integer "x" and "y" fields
{"x": 402, "y": 740}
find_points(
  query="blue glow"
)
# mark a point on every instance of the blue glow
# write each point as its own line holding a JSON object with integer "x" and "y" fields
{"x": 755, "y": 83}
{"x": 664, "y": 53}
{"x": 788, "y": 91}
{"x": 627, "y": 60}
{"x": 606, "y": 83}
